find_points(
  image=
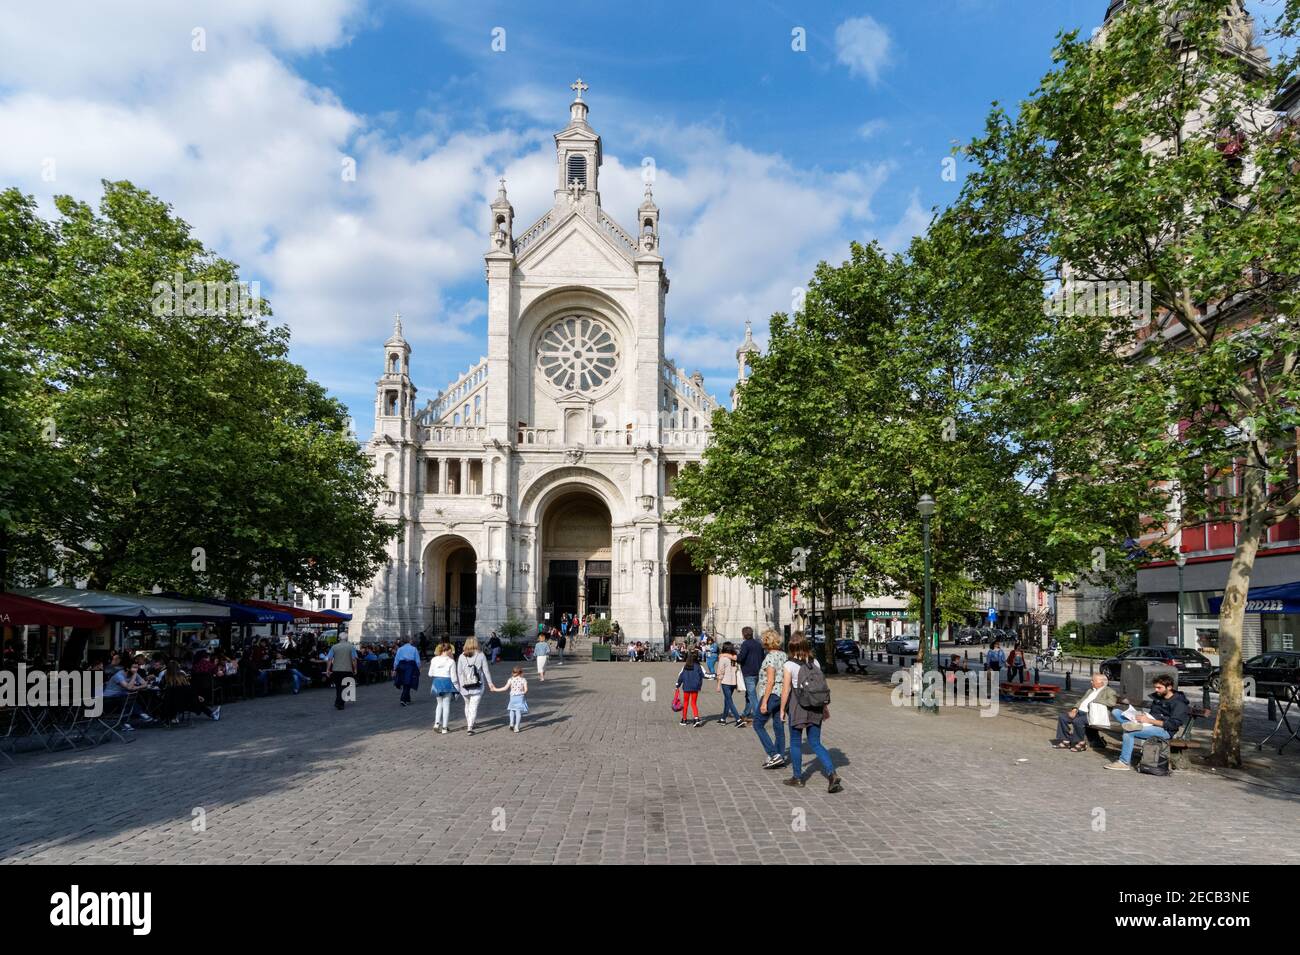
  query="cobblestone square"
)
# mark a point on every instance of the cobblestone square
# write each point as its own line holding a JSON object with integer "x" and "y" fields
{"x": 600, "y": 776}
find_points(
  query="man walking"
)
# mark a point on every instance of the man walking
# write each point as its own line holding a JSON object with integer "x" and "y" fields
{"x": 749, "y": 660}
{"x": 406, "y": 669}
{"x": 341, "y": 668}
{"x": 560, "y": 643}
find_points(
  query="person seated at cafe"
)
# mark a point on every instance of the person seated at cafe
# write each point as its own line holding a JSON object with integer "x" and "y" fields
{"x": 178, "y": 696}
{"x": 120, "y": 688}
{"x": 675, "y": 654}
{"x": 1076, "y": 718}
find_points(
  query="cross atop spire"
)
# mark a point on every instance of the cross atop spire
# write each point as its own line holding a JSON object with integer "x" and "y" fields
{"x": 397, "y": 324}
{"x": 579, "y": 88}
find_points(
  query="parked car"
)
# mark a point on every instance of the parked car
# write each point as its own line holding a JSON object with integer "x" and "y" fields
{"x": 967, "y": 636}
{"x": 1271, "y": 671}
{"x": 846, "y": 649}
{"x": 1193, "y": 667}
{"x": 903, "y": 645}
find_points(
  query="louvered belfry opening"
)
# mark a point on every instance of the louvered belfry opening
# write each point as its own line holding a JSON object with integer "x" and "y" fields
{"x": 578, "y": 170}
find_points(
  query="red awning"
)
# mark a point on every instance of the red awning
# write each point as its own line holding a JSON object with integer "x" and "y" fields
{"x": 300, "y": 614}
{"x": 17, "y": 610}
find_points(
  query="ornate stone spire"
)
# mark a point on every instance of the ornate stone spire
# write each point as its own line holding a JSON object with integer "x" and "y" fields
{"x": 396, "y": 338}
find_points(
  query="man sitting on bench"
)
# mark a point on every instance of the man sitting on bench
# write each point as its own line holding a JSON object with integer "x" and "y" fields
{"x": 1170, "y": 712}
{"x": 1077, "y": 718}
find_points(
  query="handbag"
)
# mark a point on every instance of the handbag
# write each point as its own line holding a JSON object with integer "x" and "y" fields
{"x": 677, "y": 700}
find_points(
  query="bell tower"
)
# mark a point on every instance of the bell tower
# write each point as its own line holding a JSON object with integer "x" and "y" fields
{"x": 394, "y": 393}
{"x": 577, "y": 155}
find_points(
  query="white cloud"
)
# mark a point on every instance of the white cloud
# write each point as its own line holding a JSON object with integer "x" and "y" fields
{"x": 871, "y": 128}
{"x": 250, "y": 153}
{"x": 864, "y": 46}
{"x": 914, "y": 221}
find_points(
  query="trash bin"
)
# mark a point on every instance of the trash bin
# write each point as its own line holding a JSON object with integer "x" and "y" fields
{"x": 600, "y": 652}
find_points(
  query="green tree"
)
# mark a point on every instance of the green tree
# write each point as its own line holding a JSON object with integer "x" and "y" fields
{"x": 1150, "y": 157}
{"x": 864, "y": 401}
{"x": 186, "y": 450}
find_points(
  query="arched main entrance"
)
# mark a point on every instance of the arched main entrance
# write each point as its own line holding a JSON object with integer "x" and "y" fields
{"x": 688, "y": 592}
{"x": 451, "y": 587}
{"x": 576, "y": 556}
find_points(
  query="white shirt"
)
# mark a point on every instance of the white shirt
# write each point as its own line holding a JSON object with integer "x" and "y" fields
{"x": 444, "y": 666}
{"x": 1092, "y": 695}
{"x": 792, "y": 672}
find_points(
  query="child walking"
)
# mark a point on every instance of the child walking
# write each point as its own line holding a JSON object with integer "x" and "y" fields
{"x": 518, "y": 704}
{"x": 690, "y": 681}
{"x": 442, "y": 671}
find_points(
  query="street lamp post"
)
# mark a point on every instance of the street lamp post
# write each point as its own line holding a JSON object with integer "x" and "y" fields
{"x": 925, "y": 507}
{"x": 1181, "y": 561}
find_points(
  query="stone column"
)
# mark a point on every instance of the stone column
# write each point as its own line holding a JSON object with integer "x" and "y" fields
{"x": 464, "y": 475}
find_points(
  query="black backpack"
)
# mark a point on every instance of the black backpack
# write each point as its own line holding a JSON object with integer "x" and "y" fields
{"x": 812, "y": 693}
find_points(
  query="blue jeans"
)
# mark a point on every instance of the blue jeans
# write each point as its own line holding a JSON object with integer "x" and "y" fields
{"x": 299, "y": 680}
{"x": 760, "y": 726}
{"x": 729, "y": 705}
{"x": 751, "y": 695}
{"x": 711, "y": 662}
{"x": 815, "y": 742}
{"x": 1147, "y": 732}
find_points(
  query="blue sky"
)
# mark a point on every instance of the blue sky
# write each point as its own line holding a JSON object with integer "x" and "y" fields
{"x": 768, "y": 159}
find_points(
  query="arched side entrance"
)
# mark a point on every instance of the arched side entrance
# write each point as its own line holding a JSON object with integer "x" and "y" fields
{"x": 451, "y": 587}
{"x": 688, "y": 593}
{"x": 576, "y": 556}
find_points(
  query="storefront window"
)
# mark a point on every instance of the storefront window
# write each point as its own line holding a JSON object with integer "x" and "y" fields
{"x": 1279, "y": 630}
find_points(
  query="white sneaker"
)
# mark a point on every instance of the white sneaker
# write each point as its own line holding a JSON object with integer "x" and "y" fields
{"x": 444, "y": 731}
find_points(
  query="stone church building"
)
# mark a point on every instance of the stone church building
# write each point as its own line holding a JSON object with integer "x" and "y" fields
{"x": 537, "y": 484}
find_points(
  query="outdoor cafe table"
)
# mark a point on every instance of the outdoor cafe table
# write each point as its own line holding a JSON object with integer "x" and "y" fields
{"x": 1286, "y": 696}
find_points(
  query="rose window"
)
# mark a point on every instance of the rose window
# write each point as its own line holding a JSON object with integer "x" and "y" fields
{"x": 577, "y": 354}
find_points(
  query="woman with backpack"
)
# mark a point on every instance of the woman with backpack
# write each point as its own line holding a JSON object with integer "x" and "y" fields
{"x": 805, "y": 705}
{"x": 473, "y": 677}
{"x": 728, "y": 679}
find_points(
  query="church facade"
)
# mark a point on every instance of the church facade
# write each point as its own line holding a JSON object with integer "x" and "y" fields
{"x": 537, "y": 484}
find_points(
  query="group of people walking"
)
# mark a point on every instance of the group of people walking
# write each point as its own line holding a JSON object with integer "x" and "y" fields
{"x": 772, "y": 680}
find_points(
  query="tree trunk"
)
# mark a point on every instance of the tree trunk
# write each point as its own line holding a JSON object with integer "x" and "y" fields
{"x": 1225, "y": 748}
{"x": 828, "y": 647}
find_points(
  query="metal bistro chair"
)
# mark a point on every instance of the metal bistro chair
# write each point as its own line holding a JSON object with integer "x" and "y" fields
{"x": 8, "y": 731}
{"x": 69, "y": 724}
{"x": 111, "y": 723}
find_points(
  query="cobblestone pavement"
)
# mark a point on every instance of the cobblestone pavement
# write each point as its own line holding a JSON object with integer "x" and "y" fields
{"x": 601, "y": 775}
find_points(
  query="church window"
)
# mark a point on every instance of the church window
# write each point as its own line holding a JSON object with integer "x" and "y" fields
{"x": 578, "y": 169}
{"x": 577, "y": 353}
{"x": 455, "y": 419}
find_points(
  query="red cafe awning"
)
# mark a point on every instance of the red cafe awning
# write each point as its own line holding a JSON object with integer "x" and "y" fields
{"x": 300, "y": 614}
{"x": 17, "y": 610}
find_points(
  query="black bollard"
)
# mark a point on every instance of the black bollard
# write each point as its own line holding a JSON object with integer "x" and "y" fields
{"x": 1035, "y": 675}
{"x": 1067, "y": 681}
{"x": 1205, "y": 694}
{"x": 1272, "y": 708}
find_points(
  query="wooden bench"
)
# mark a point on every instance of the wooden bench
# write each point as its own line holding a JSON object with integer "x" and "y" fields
{"x": 1179, "y": 744}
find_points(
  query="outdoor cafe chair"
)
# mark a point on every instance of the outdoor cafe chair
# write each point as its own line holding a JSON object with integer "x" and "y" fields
{"x": 111, "y": 723}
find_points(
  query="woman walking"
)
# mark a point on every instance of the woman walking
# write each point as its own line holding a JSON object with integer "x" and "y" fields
{"x": 518, "y": 704}
{"x": 1016, "y": 664}
{"x": 473, "y": 677}
{"x": 771, "y": 683}
{"x": 442, "y": 671}
{"x": 690, "y": 681}
{"x": 728, "y": 678}
{"x": 802, "y": 720}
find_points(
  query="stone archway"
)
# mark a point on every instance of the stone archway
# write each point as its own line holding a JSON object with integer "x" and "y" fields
{"x": 690, "y": 595}
{"x": 576, "y": 546}
{"x": 451, "y": 587}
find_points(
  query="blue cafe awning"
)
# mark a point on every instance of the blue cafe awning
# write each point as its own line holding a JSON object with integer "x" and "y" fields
{"x": 1280, "y": 598}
